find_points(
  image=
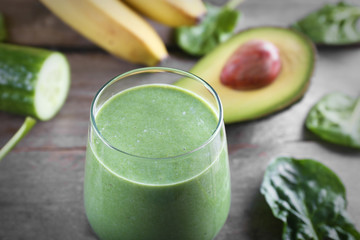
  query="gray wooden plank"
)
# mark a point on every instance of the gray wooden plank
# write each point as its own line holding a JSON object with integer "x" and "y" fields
{"x": 30, "y": 23}
{"x": 33, "y": 24}
{"x": 41, "y": 196}
{"x": 336, "y": 70}
{"x": 41, "y": 180}
{"x": 250, "y": 217}
{"x": 41, "y": 192}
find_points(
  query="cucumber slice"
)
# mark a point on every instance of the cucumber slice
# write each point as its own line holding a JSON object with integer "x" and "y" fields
{"x": 33, "y": 81}
{"x": 52, "y": 86}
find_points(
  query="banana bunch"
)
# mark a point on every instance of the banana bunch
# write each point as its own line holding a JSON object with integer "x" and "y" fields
{"x": 115, "y": 26}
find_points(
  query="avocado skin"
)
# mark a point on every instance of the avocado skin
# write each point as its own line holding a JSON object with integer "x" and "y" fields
{"x": 298, "y": 55}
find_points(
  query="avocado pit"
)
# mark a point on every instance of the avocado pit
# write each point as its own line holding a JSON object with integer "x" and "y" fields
{"x": 253, "y": 65}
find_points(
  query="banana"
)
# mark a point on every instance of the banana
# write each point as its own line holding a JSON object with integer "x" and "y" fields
{"x": 173, "y": 13}
{"x": 113, "y": 26}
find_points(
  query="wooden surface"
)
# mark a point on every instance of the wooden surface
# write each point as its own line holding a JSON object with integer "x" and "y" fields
{"x": 41, "y": 179}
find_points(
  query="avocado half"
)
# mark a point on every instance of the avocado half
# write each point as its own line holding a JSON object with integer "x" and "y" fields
{"x": 297, "y": 54}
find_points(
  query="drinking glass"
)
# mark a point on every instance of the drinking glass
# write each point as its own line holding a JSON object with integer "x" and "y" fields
{"x": 140, "y": 197}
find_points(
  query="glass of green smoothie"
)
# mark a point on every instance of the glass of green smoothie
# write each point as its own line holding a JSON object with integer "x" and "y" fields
{"x": 156, "y": 162}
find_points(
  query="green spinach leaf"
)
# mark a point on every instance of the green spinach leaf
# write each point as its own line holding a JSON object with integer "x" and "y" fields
{"x": 333, "y": 24}
{"x": 217, "y": 26}
{"x": 336, "y": 118}
{"x": 309, "y": 198}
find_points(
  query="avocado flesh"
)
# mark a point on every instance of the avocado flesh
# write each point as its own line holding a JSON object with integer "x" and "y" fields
{"x": 297, "y": 56}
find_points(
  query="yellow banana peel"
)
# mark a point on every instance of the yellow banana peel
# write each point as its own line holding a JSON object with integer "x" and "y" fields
{"x": 113, "y": 26}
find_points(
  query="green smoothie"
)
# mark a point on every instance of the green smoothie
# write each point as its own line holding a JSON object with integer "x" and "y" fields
{"x": 146, "y": 177}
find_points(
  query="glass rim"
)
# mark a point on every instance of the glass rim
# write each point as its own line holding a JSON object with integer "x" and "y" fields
{"x": 158, "y": 70}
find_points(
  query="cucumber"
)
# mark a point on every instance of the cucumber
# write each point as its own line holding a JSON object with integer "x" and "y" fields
{"x": 23, "y": 130}
{"x": 33, "y": 82}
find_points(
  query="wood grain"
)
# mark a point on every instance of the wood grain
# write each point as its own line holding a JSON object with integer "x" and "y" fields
{"x": 31, "y": 23}
{"x": 41, "y": 179}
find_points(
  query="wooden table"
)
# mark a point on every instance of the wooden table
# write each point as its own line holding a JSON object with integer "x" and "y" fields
{"x": 41, "y": 179}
